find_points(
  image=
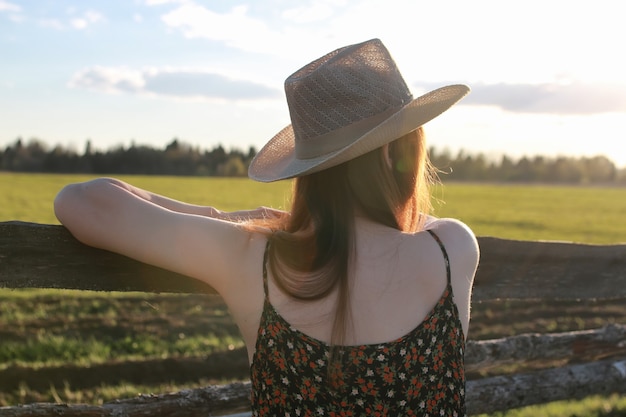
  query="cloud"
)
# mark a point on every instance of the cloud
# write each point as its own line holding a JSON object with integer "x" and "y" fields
{"x": 88, "y": 18}
{"x": 109, "y": 80}
{"x": 75, "y": 21}
{"x": 304, "y": 31}
{"x": 52, "y": 24}
{"x": 160, "y": 2}
{"x": 207, "y": 85}
{"x": 78, "y": 21}
{"x": 573, "y": 98}
{"x": 176, "y": 83}
{"x": 12, "y": 10}
{"x": 317, "y": 11}
{"x": 196, "y": 21}
{"x": 5, "y": 6}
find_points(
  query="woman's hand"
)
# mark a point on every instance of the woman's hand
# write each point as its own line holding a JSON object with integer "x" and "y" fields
{"x": 256, "y": 214}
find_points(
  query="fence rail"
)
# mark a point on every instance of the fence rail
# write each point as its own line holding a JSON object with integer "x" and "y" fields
{"x": 47, "y": 256}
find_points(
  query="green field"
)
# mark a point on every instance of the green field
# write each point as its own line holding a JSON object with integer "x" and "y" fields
{"x": 139, "y": 342}
{"x": 527, "y": 212}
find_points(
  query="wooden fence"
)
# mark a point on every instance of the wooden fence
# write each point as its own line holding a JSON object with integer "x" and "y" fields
{"x": 47, "y": 256}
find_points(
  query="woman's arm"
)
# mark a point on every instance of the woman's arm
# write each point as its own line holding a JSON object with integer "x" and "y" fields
{"x": 113, "y": 215}
{"x": 207, "y": 211}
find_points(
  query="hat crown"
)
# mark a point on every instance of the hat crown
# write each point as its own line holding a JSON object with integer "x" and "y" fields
{"x": 346, "y": 86}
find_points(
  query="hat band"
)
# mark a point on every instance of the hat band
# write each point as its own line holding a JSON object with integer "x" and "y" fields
{"x": 340, "y": 138}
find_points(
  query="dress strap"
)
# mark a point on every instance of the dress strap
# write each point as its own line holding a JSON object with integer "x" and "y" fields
{"x": 445, "y": 254}
{"x": 265, "y": 257}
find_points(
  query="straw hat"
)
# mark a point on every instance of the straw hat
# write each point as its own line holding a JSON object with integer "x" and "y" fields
{"x": 343, "y": 105}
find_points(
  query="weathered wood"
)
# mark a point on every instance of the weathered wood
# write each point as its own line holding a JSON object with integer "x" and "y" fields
{"x": 482, "y": 396}
{"x": 565, "y": 383}
{"x": 579, "y": 346}
{"x": 47, "y": 256}
{"x": 200, "y": 402}
{"x": 549, "y": 270}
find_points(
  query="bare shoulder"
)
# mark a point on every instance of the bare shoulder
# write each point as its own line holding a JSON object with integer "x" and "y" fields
{"x": 463, "y": 252}
{"x": 459, "y": 240}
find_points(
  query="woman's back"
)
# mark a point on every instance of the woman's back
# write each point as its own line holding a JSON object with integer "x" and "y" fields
{"x": 404, "y": 347}
{"x": 398, "y": 278}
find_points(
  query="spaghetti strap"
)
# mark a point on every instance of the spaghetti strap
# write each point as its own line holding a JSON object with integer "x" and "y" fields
{"x": 265, "y": 256}
{"x": 445, "y": 254}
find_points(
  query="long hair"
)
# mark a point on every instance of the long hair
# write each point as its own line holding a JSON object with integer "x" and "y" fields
{"x": 311, "y": 250}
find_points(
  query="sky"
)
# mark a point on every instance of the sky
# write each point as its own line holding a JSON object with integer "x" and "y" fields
{"x": 548, "y": 77}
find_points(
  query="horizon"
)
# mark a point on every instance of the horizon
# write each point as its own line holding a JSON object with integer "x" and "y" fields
{"x": 490, "y": 157}
{"x": 545, "y": 77}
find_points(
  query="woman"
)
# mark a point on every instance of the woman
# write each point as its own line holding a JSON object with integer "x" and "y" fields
{"x": 356, "y": 302}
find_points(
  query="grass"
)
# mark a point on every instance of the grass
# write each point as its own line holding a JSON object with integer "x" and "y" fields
{"x": 52, "y": 327}
{"x": 594, "y": 406}
{"x": 526, "y": 212}
{"x": 537, "y": 212}
{"x": 66, "y": 394}
{"x": 42, "y": 328}
{"x": 50, "y": 350}
{"x": 65, "y": 330}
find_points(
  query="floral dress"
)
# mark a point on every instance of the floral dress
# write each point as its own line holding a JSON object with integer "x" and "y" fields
{"x": 419, "y": 374}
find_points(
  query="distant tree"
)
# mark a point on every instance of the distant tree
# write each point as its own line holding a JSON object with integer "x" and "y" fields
{"x": 505, "y": 170}
{"x": 233, "y": 167}
{"x": 251, "y": 153}
{"x": 88, "y": 150}
{"x": 568, "y": 170}
{"x": 600, "y": 169}
{"x": 61, "y": 160}
{"x": 30, "y": 157}
{"x": 8, "y": 156}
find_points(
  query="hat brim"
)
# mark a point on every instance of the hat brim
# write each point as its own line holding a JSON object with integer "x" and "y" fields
{"x": 277, "y": 159}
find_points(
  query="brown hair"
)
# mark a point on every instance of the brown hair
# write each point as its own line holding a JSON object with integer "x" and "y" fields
{"x": 312, "y": 249}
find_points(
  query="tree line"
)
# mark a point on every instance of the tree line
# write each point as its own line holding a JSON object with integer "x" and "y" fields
{"x": 179, "y": 158}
